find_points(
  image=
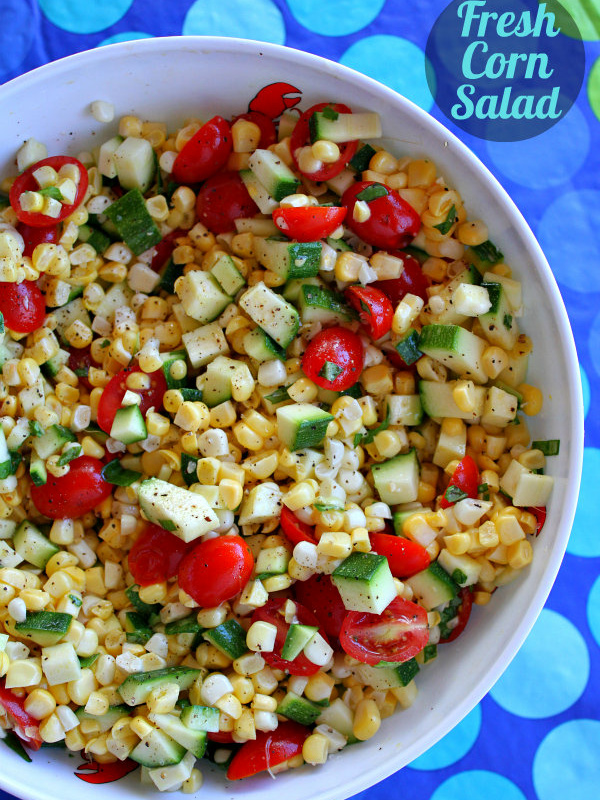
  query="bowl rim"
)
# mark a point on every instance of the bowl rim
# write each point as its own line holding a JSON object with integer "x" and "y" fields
{"x": 219, "y": 45}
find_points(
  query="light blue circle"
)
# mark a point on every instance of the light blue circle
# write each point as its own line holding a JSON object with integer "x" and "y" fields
{"x": 16, "y": 33}
{"x": 84, "y": 16}
{"x": 127, "y": 36}
{"x": 584, "y": 540}
{"x": 259, "y": 19}
{"x": 335, "y": 17}
{"x": 593, "y": 610}
{"x": 524, "y": 162}
{"x": 394, "y": 61}
{"x": 567, "y": 762}
{"x": 594, "y": 343}
{"x": 549, "y": 673}
{"x": 585, "y": 390}
{"x": 477, "y": 784}
{"x": 454, "y": 746}
{"x": 569, "y": 233}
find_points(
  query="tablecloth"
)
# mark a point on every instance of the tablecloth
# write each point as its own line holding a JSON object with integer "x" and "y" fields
{"x": 537, "y": 734}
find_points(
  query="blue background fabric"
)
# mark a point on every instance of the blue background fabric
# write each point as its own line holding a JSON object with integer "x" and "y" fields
{"x": 536, "y": 736}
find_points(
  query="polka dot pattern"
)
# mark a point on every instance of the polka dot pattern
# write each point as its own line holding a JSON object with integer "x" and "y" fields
{"x": 536, "y": 736}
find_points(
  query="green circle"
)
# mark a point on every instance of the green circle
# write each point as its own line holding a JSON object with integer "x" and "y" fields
{"x": 593, "y": 88}
{"x": 585, "y": 14}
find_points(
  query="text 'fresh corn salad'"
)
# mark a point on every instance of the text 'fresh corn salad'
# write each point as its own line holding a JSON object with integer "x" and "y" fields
{"x": 263, "y": 439}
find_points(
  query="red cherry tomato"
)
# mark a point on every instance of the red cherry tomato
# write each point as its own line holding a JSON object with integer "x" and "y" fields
{"x": 80, "y": 360}
{"x": 539, "y": 512}
{"x": 223, "y": 199}
{"x": 156, "y": 555}
{"x": 74, "y": 494}
{"x": 334, "y": 359}
{"x": 464, "y": 612}
{"x": 373, "y": 307}
{"x": 397, "y": 634}
{"x": 25, "y": 726}
{"x": 301, "y": 138}
{"x": 270, "y": 613}
{"x": 268, "y": 750}
{"x": 404, "y": 556}
{"x": 411, "y": 280}
{"x": 294, "y": 529}
{"x": 223, "y": 737}
{"x": 164, "y": 249}
{"x": 393, "y": 222}
{"x": 27, "y": 183}
{"x": 33, "y": 236}
{"x": 114, "y": 391}
{"x": 466, "y": 478}
{"x": 308, "y": 224}
{"x": 268, "y": 134}
{"x": 216, "y": 570}
{"x": 321, "y": 597}
{"x": 205, "y": 153}
{"x": 22, "y": 305}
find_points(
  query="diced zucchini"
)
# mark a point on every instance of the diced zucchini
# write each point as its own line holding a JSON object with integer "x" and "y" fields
{"x": 31, "y": 544}
{"x": 201, "y": 718}
{"x": 404, "y": 409}
{"x": 228, "y": 275}
{"x": 205, "y": 343}
{"x": 135, "y": 164}
{"x": 136, "y": 687}
{"x": 397, "y": 479}
{"x": 337, "y": 127}
{"x": 105, "y": 721}
{"x": 273, "y": 174}
{"x": 339, "y": 717}
{"x": 129, "y": 425}
{"x": 320, "y": 304}
{"x": 259, "y": 346}
{"x": 106, "y": 157}
{"x": 456, "y": 348}
{"x": 408, "y": 347}
{"x": 365, "y": 582}
{"x": 229, "y": 637}
{"x": 499, "y": 323}
{"x": 194, "y": 741}
{"x": 390, "y": 676}
{"x": 438, "y": 402}
{"x": 532, "y": 490}
{"x": 272, "y": 561}
{"x": 302, "y": 425}
{"x": 201, "y": 296}
{"x": 450, "y": 316}
{"x": 53, "y": 440}
{"x": 118, "y": 296}
{"x": 287, "y": 259}
{"x": 432, "y": 586}
{"x": 133, "y": 222}
{"x": 298, "y": 636}
{"x": 450, "y": 446}
{"x": 262, "y": 503}
{"x": 60, "y": 663}
{"x": 271, "y": 312}
{"x": 157, "y": 749}
{"x": 266, "y": 204}
{"x": 299, "y": 709}
{"x": 44, "y": 627}
{"x": 460, "y": 566}
{"x": 175, "y": 359}
{"x": 66, "y": 315}
{"x": 175, "y": 509}
{"x": 136, "y": 628}
{"x": 8, "y": 557}
{"x": 500, "y": 407}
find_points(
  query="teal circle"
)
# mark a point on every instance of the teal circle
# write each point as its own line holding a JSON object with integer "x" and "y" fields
{"x": 84, "y": 16}
{"x": 568, "y": 140}
{"x": 593, "y": 610}
{"x": 584, "y": 540}
{"x": 549, "y": 673}
{"x": 585, "y": 390}
{"x": 259, "y": 19}
{"x": 569, "y": 233}
{"x": 454, "y": 746}
{"x": 566, "y": 765}
{"x": 477, "y": 784}
{"x": 394, "y": 61}
{"x": 335, "y": 17}
{"x": 128, "y": 36}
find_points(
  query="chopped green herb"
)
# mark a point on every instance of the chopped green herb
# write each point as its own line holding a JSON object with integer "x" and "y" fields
{"x": 453, "y": 494}
{"x": 483, "y": 487}
{"x": 549, "y": 447}
{"x": 429, "y": 652}
{"x": 367, "y": 438}
{"x": 328, "y": 506}
{"x": 35, "y": 429}
{"x": 114, "y": 473}
{"x": 329, "y": 371}
{"x": 167, "y": 524}
{"x": 488, "y": 252}
{"x": 372, "y": 192}
{"x": 193, "y": 395}
{"x": 12, "y": 740}
{"x": 366, "y": 308}
{"x": 75, "y": 600}
{"x": 51, "y": 191}
{"x": 104, "y": 343}
{"x": 278, "y": 396}
{"x": 459, "y": 576}
{"x": 445, "y": 226}
{"x": 408, "y": 347}
{"x": 82, "y": 372}
{"x": 360, "y": 160}
{"x": 88, "y": 661}
{"x": 69, "y": 455}
{"x": 329, "y": 113}
{"x": 188, "y": 468}
{"x": 507, "y": 320}
{"x": 10, "y": 467}
{"x": 2, "y": 329}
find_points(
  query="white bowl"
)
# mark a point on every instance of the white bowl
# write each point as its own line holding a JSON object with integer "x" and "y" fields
{"x": 175, "y": 78}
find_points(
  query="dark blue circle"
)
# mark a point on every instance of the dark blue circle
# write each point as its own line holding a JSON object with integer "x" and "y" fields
{"x": 505, "y": 70}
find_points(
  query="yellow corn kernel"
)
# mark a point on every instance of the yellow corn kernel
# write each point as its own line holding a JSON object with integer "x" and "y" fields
{"x": 245, "y": 136}
{"x": 348, "y": 265}
{"x": 301, "y": 495}
{"x": 51, "y": 730}
{"x": 388, "y": 443}
{"x": 473, "y": 233}
{"x": 360, "y": 540}
{"x": 247, "y": 437}
{"x": 367, "y": 720}
{"x": 509, "y": 529}
{"x": 34, "y": 599}
{"x": 162, "y": 699}
{"x": 172, "y": 400}
{"x": 519, "y": 554}
{"x": 78, "y": 334}
{"x": 335, "y": 544}
{"x": 153, "y": 593}
{"x": 40, "y": 703}
{"x": 377, "y": 380}
{"x": 192, "y": 416}
{"x": 533, "y": 399}
{"x": 231, "y": 493}
{"x": 457, "y": 543}
{"x": 421, "y": 173}
{"x": 315, "y": 749}
{"x": 277, "y": 583}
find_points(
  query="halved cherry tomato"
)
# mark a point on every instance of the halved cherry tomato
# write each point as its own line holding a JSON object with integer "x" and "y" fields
{"x": 80, "y": 361}
{"x": 464, "y": 612}
{"x": 268, "y": 134}
{"x": 216, "y": 570}
{"x": 25, "y": 726}
{"x": 205, "y": 153}
{"x": 404, "y": 556}
{"x": 223, "y": 737}
{"x": 301, "y": 138}
{"x": 294, "y": 529}
{"x": 539, "y": 512}
{"x": 156, "y": 555}
{"x": 22, "y": 305}
{"x": 270, "y": 613}
{"x": 412, "y": 279}
{"x": 27, "y": 183}
{"x": 33, "y": 236}
{"x": 73, "y": 494}
{"x": 269, "y": 749}
{"x": 393, "y": 223}
{"x": 320, "y": 596}
{"x": 374, "y": 309}
{"x": 310, "y": 223}
{"x": 466, "y": 478}
{"x": 397, "y": 634}
{"x": 334, "y": 358}
{"x": 223, "y": 199}
{"x": 114, "y": 391}
{"x": 164, "y": 249}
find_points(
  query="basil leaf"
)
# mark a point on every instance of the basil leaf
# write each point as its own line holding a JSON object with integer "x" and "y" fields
{"x": 2, "y": 329}
{"x": 329, "y": 371}
{"x": 278, "y": 396}
{"x": 367, "y": 438}
{"x": 114, "y": 473}
{"x": 487, "y": 252}
{"x": 328, "y": 506}
{"x": 372, "y": 192}
{"x": 445, "y": 226}
{"x": 12, "y": 740}
{"x": 35, "y": 429}
{"x": 459, "y": 576}
{"x": 82, "y": 372}
{"x": 453, "y": 494}
{"x": 507, "y": 320}
{"x": 549, "y": 447}
{"x": 51, "y": 191}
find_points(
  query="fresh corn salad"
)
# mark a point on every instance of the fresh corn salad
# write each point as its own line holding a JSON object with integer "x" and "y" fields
{"x": 263, "y": 440}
